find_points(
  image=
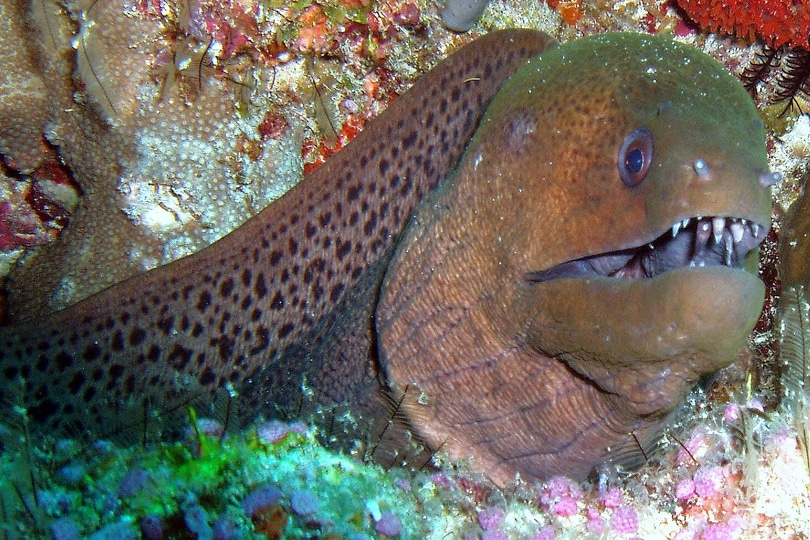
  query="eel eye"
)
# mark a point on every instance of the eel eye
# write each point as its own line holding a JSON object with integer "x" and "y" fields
{"x": 635, "y": 157}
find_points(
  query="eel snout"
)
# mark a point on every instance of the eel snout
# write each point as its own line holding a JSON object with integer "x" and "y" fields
{"x": 693, "y": 242}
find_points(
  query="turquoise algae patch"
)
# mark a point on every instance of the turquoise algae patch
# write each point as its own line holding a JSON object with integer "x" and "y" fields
{"x": 274, "y": 481}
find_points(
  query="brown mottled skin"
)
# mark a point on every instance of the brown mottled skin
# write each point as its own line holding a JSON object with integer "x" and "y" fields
{"x": 794, "y": 244}
{"x": 555, "y": 376}
{"x": 455, "y": 311}
{"x": 793, "y": 315}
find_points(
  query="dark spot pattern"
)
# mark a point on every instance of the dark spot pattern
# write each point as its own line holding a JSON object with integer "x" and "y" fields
{"x": 277, "y": 303}
{"x": 261, "y": 286}
{"x": 92, "y": 352}
{"x": 257, "y": 297}
{"x": 76, "y": 382}
{"x": 136, "y": 336}
{"x": 63, "y": 361}
{"x": 204, "y": 301}
{"x": 165, "y": 324}
{"x": 226, "y": 288}
{"x": 117, "y": 342}
{"x": 285, "y": 330}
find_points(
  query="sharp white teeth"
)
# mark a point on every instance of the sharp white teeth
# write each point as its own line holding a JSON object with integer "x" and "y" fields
{"x": 679, "y": 226}
{"x": 727, "y": 233}
{"x": 718, "y": 225}
{"x": 728, "y": 250}
{"x": 737, "y": 231}
{"x": 702, "y": 234}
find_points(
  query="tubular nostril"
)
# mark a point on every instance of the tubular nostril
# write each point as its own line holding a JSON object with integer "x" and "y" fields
{"x": 701, "y": 168}
{"x": 767, "y": 178}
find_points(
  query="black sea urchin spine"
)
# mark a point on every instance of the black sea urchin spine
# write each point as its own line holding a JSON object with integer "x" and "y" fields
{"x": 760, "y": 68}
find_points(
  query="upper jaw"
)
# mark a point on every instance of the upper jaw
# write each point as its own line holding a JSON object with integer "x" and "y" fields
{"x": 692, "y": 242}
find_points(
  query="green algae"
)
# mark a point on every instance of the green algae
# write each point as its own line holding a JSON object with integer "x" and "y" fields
{"x": 216, "y": 473}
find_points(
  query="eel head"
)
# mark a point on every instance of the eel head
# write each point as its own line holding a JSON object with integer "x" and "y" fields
{"x": 592, "y": 257}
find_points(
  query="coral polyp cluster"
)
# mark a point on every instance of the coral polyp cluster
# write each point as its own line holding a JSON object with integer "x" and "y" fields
{"x": 176, "y": 120}
{"x": 783, "y": 64}
{"x": 777, "y": 23}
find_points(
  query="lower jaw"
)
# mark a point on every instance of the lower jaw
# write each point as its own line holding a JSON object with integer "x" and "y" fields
{"x": 704, "y": 314}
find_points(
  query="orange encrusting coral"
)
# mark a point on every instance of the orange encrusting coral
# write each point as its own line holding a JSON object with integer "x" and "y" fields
{"x": 571, "y": 10}
{"x": 777, "y": 22}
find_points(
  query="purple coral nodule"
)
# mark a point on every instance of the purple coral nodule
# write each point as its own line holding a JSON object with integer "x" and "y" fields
{"x": 196, "y": 519}
{"x": 491, "y": 518}
{"x": 152, "y": 527}
{"x": 132, "y": 482}
{"x": 304, "y": 502}
{"x": 388, "y": 524}
{"x": 65, "y": 528}
{"x": 272, "y": 432}
{"x": 260, "y": 498}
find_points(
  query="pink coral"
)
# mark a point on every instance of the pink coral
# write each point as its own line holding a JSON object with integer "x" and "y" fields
{"x": 685, "y": 489}
{"x": 272, "y": 432}
{"x": 611, "y": 498}
{"x": 718, "y": 531}
{"x": 441, "y": 481}
{"x": 546, "y": 533}
{"x": 558, "y": 487}
{"x": 388, "y": 524}
{"x": 560, "y": 495}
{"x": 624, "y": 520}
{"x": 696, "y": 446}
{"x": 491, "y": 518}
{"x": 709, "y": 481}
{"x": 595, "y": 523}
{"x": 565, "y": 507}
{"x": 731, "y": 413}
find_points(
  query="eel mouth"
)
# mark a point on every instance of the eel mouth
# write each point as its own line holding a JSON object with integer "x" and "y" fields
{"x": 693, "y": 242}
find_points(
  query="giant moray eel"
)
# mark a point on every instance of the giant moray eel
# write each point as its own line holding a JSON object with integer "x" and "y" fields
{"x": 534, "y": 284}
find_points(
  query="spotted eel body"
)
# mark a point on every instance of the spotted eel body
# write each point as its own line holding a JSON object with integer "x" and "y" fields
{"x": 539, "y": 302}
{"x": 283, "y": 303}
